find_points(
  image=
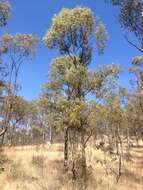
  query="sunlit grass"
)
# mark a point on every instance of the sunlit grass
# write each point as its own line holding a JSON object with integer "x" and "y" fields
{"x": 41, "y": 168}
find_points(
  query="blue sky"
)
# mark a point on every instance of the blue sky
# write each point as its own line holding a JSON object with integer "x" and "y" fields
{"x": 34, "y": 16}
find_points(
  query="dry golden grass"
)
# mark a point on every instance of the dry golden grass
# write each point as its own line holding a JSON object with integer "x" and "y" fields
{"x": 41, "y": 168}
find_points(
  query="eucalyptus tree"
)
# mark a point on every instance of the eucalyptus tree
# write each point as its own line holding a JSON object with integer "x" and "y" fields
{"x": 130, "y": 17}
{"x": 16, "y": 49}
{"x": 136, "y": 97}
{"x": 73, "y": 33}
{"x": 46, "y": 108}
{"x": 19, "y": 112}
{"x": 134, "y": 112}
{"x": 135, "y": 107}
{"x": 5, "y": 10}
{"x": 38, "y": 118}
{"x": 115, "y": 119}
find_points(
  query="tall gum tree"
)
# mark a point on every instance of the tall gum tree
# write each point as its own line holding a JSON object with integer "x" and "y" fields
{"x": 73, "y": 33}
{"x": 16, "y": 49}
{"x": 5, "y": 11}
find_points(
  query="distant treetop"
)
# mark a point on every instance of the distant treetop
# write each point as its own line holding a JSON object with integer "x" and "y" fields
{"x": 5, "y": 10}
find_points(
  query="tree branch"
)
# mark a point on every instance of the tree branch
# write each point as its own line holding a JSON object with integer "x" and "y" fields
{"x": 91, "y": 131}
{"x": 131, "y": 43}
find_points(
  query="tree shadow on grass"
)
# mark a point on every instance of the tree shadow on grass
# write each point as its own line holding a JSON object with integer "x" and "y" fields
{"x": 128, "y": 175}
{"x": 3, "y": 160}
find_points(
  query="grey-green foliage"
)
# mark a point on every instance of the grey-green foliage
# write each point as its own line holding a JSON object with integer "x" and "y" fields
{"x": 131, "y": 16}
{"x": 73, "y": 31}
{"x": 5, "y": 10}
